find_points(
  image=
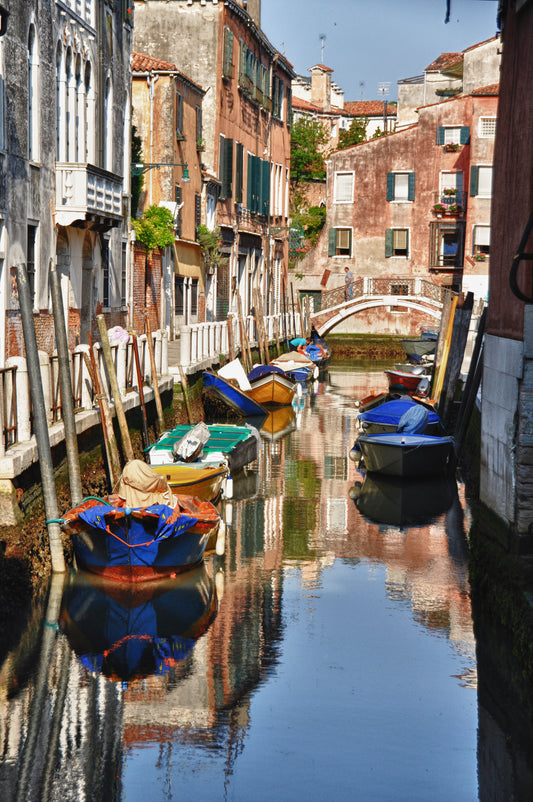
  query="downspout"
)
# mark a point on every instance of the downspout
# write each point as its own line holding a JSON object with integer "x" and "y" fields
{"x": 151, "y": 79}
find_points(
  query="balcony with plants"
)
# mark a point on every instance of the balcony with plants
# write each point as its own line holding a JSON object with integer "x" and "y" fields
{"x": 450, "y": 202}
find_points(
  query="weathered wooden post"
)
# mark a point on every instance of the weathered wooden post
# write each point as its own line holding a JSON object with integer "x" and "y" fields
{"x": 155, "y": 384}
{"x": 119, "y": 409}
{"x": 40, "y": 422}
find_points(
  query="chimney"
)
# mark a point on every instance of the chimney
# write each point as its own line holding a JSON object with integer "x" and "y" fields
{"x": 321, "y": 86}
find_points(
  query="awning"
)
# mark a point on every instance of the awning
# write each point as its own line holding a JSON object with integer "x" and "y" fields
{"x": 189, "y": 260}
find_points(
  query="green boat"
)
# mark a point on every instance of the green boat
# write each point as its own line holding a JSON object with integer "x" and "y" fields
{"x": 234, "y": 446}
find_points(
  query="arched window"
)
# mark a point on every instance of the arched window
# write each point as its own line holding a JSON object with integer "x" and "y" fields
{"x": 33, "y": 96}
{"x": 108, "y": 126}
{"x": 90, "y": 115}
{"x": 60, "y": 106}
{"x": 80, "y": 112}
{"x": 71, "y": 106}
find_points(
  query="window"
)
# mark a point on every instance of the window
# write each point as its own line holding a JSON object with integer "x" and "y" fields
{"x": 227, "y": 66}
{"x": 33, "y": 96}
{"x": 453, "y": 135}
{"x": 400, "y": 186}
{"x": 197, "y": 211}
{"x": 258, "y": 185}
{"x": 446, "y": 245}
{"x": 343, "y": 187}
{"x": 487, "y": 127}
{"x": 177, "y": 198}
{"x": 397, "y": 242}
{"x": 104, "y": 246}
{"x": 239, "y": 170}
{"x": 31, "y": 252}
{"x": 340, "y": 242}
{"x": 481, "y": 242}
{"x": 124, "y": 265}
{"x": 481, "y": 180}
{"x": 277, "y": 96}
{"x": 179, "y": 115}
{"x": 194, "y": 296}
{"x": 226, "y": 167}
{"x": 199, "y": 140}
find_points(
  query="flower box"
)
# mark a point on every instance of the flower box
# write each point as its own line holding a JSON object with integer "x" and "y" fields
{"x": 451, "y": 147}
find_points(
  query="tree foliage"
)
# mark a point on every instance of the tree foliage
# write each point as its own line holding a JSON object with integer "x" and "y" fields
{"x": 308, "y": 143}
{"x": 155, "y": 229}
{"x": 137, "y": 181}
{"x": 210, "y": 243}
{"x": 354, "y": 134}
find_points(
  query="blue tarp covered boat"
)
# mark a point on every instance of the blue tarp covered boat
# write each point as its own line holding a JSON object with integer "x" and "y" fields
{"x": 386, "y": 417}
{"x": 231, "y": 396}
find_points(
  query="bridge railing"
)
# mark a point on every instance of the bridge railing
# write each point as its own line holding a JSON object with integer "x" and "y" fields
{"x": 413, "y": 286}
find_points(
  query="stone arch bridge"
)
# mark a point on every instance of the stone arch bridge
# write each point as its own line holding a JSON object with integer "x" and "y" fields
{"x": 369, "y": 293}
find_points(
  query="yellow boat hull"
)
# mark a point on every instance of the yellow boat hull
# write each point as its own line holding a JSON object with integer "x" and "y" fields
{"x": 204, "y": 483}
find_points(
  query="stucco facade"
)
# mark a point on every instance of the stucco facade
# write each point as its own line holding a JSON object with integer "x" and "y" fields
{"x": 407, "y": 204}
{"x": 64, "y": 152}
{"x": 246, "y": 127}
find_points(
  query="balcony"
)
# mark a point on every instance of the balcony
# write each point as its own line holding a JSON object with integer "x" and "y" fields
{"x": 449, "y": 203}
{"x": 85, "y": 192}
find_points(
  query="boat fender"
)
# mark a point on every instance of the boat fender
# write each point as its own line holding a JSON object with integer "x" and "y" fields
{"x": 221, "y": 539}
{"x": 228, "y": 486}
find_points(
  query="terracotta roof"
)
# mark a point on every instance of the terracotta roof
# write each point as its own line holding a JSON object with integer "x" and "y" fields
{"x": 491, "y": 89}
{"x": 368, "y": 108}
{"x": 321, "y": 67}
{"x": 486, "y": 41}
{"x": 305, "y": 105}
{"x": 140, "y": 62}
{"x": 444, "y": 61}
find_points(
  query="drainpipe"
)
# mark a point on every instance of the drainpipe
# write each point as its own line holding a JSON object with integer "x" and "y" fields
{"x": 151, "y": 79}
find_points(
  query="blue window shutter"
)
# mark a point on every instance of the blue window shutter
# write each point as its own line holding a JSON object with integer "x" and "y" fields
{"x": 474, "y": 179}
{"x": 411, "y": 187}
{"x": 390, "y": 186}
{"x": 332, "y": 242}
{"x": 388, "y": 242}
{"x": 465, "y": 135}
{"x": 440, "y": 135}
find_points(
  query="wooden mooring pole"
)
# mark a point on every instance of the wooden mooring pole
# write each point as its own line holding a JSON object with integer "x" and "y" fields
{"x": 115, "y": 390}
{"x": 40, "y": 422}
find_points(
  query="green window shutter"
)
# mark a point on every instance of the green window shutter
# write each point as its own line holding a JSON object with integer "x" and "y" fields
{"x": 265, "y": 188}
{"x": 257, "y": 184}
{"x": 249, "y": 183}
{"x": 388, "y": 242}
{"x": 465, "y": 135}
{"x": 239, "y": 167}
{"x": 407, "y": 242}
{"x": 474, "y": 173}
{"x": 226, "y": 168}
{"x": 228, "y": 53}
{"x": 440, "y": 135}
{"x": 411, "y": 187}
{"x": 390, "y": 186}
{"x": 332, "y": 248}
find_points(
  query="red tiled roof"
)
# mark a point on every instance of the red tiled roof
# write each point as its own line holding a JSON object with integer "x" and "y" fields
{"x": 444, "y": 61}
{"x": 305, "y": 105}
{"x": 486, "y": 41}
{"x": 368, "y": 108}
{"x": 322, "y": 67}
{"x": 490, "y": 90}
{"x": 140, "y": 62}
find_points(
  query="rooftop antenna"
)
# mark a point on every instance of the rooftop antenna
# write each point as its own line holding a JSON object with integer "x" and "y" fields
{"x": 383, "y": 88}
{"x": 322, "y": 37}
{"x": 362, "y": 88}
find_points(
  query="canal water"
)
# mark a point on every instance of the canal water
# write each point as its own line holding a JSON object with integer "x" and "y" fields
{"x": 329, "y": 653}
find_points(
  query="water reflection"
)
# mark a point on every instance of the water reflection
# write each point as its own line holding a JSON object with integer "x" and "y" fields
{"x": 126, "y": 632}
{"x": 340, "y": 659}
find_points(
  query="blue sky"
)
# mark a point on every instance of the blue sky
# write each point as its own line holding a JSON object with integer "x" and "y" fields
{"x": 369, "y": 42}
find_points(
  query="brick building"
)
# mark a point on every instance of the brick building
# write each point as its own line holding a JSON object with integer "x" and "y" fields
{"x": 64, "y": 139}
{"x": 246, "y": 114}
{"x": 167, "y": 114}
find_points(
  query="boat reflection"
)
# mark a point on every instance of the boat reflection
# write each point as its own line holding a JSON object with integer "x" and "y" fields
{"x": 278, "y": 423}
{"x": 403, "y": 503}
{"x": 128, "y": 631}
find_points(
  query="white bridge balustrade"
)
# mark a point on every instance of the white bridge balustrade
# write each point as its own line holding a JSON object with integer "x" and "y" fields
{"x": 18, "y": 445}
{"x": 202, "y": 344}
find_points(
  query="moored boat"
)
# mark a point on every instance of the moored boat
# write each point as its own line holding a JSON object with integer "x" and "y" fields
{"x": 401, "y": 381}
{"x": 297, "y": 366}
{"x": 386, "y": 417}
{"x": 270, "y": 386}
{"x": 420, "y": 346}
{"x": 142, "y": 532}
{"x": 406, "y": 455}
{"x": 231, "y": 396}
{"x": 187, "y": 479}
{"x": 228, "y": 445}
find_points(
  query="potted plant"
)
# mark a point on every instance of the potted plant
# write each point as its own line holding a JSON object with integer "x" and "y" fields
{"x": 480, "y": 257}
{"x": 454, "y": 208}
{"x": 450, "y": 191}
{"x": 200, "y": 144}
{"x": 439, "y": 209}
{"x": 451, "y": 147}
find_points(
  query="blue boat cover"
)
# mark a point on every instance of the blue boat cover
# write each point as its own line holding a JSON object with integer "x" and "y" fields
{"x": 414, "y": 420}
{"x": 392, "y": 411}
{"x": 315, "y": 352}
{"x": 263, "y": 370}
{"x": 168, "y": 525}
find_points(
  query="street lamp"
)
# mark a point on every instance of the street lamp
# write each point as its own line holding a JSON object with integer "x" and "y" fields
{"x": 138, "y": 168}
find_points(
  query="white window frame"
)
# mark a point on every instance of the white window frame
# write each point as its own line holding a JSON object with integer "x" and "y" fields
{"x": 479, "y": 168}
{"x": 344, "y": 173}
{"x": 343, "y": 255}
{"x": 33, "y": 94}
{"x": 396, "y": 198}
{"x": 482, "y": 121}
{"x": 448, "y": 139}
{"x": 401, "y": 255}
{"x": 475, "y": 244}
